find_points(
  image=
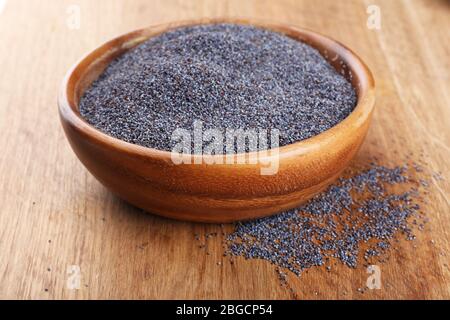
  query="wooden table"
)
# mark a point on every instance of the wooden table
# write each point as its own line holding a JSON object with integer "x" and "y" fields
{"x": 56, "y": 220}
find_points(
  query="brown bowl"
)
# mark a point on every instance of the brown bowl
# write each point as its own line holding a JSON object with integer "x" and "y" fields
{"x": 150, "y": 180}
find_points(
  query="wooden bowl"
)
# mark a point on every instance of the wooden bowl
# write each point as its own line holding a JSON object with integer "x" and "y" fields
{"x": 150, "y": 180}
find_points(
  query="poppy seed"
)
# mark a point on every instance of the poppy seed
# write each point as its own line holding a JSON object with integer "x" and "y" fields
{"x": 225, "y": 75}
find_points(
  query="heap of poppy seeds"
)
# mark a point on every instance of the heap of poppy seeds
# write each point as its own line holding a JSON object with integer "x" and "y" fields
{"x": 335, "y": 224}
{"x": 225, "y": 75}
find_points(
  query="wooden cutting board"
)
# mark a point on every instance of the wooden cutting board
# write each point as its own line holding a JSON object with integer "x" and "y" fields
{"x": 57, "y": 222}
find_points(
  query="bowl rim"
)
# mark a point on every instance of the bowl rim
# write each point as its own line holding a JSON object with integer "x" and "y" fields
{"x": 365, "y": 93}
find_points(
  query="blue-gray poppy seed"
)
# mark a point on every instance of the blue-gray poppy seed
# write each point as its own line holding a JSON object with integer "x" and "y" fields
{"x": 227, "y": 76}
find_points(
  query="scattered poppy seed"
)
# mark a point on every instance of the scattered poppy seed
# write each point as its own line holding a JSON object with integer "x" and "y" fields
{"x": 227, "y": 76}
{"x": 359, "y": 211}
{"x": 282, "y": 276}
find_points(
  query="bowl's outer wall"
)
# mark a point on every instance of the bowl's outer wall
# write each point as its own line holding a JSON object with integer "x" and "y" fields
{"x": 212, "y": 193}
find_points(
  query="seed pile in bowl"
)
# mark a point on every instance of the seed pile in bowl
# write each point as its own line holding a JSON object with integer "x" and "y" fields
{"x": 225, "y": 75}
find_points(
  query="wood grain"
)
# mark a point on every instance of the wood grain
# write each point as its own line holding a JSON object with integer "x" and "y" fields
{"x": 54, "y": 214}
